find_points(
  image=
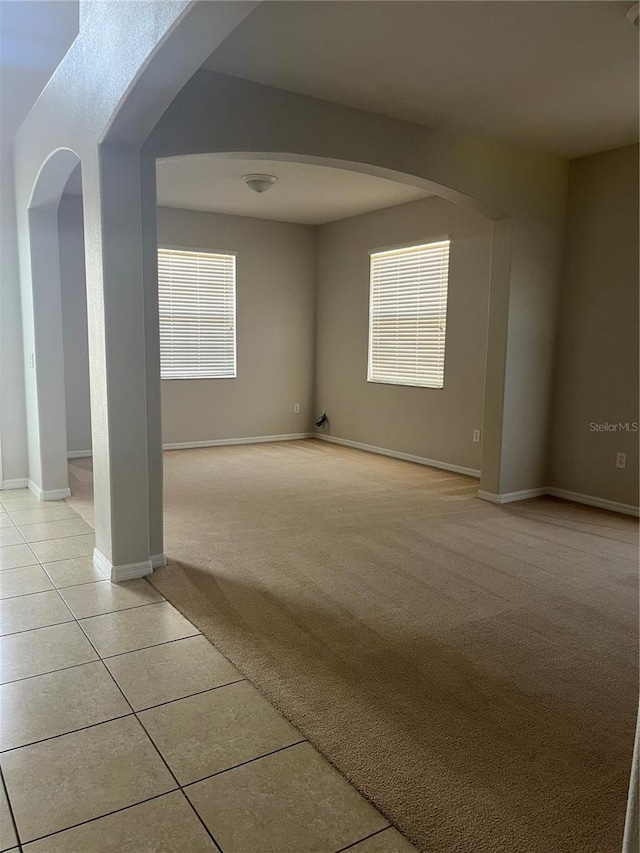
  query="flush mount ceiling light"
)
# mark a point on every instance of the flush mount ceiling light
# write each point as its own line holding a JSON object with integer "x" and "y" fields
{"x": 633, "y": 14}
{"x": 259, "y": 183}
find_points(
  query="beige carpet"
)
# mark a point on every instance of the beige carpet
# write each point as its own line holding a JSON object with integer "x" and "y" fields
{"x": 471, "y": 668}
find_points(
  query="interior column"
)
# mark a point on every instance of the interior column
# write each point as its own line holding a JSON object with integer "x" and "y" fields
{"x": 117, "y": 361}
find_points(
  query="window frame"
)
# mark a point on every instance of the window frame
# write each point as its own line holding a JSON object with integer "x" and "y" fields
{"x": 413, "y": 244}
{"x": 203, "y": 251}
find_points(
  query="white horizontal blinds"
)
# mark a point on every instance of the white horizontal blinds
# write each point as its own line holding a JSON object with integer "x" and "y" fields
{"x": 197, "y": 304}
{"x": 407, "y": 315}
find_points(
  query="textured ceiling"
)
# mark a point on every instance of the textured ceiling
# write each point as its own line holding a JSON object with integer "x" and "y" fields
{"x": 557, "y": 76}
{"x": 311, "y": 195}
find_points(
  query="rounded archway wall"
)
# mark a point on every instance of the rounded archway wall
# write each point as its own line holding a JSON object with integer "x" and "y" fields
{"x": 42, "y": 337}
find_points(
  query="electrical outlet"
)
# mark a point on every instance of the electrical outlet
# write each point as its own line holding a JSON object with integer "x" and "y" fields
{"x": 476, "y": 435}
{"x": 296, "y": 408}
{"x": 32, "y": 360}
{"x": 621, "y": 460}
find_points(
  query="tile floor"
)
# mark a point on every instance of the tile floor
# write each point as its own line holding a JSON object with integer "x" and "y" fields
{"x": 124, "y": 730}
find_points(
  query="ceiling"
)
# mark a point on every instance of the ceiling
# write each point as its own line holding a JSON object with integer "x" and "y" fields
{"x": 310, "y": 195}
{"x": 34, "y": 36}
{"x": 556, "y": 76}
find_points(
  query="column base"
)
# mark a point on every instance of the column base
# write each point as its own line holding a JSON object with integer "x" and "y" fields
{"x": 117, "y": 574}
{"x": 158, "y": 561}
{"x": 47, "y": 494}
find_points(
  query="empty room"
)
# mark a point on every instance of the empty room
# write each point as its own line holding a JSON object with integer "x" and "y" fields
{"x": 319, "y": 461}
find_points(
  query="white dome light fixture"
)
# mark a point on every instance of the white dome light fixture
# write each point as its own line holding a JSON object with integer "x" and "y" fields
{"x": 259, "y": 183}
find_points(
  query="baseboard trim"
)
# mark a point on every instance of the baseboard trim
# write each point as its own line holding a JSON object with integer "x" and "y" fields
{"x": 563, "y": 494}
{"x": 511, "y": 497}
{"x": 48, "y": 494}
{"x": 79, "y": 454}
{"x": 396, "y": 454}
{"x": 590, "y": 500}
{"x": 20, "y": 483}
{"x": 158, "y": 561}
{"x": 222, "y": 442}
{"x": 118, "y": 574}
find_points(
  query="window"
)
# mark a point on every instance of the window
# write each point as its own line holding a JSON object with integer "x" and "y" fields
{"x": 197, "y": 304}
{"x": 407, "y": 315}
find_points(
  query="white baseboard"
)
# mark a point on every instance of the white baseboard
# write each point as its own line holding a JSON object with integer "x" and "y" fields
{"x": 564, "y": 494}
{"x": 222, "y": 442}
{"x": 158, "y": 561}
{"x": 590, "y": 500}
{"x": 21, "y": 483}
{"x": 117, "y": 574}
{"x": 48, "y": 494}
{"x": 215, "y": 442}
{"x": 396, "y": 454}
{"x": 511, "y": 497}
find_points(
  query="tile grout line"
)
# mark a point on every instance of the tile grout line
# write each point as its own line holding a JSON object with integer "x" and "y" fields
{"x": 366, "y": 837}
{"x": 10, "y": 807}
{"x": 244, "y": 763}
{"x": 27, "y": 630}
{"x": 118, "y": 716}
{"x": 63, "y": 734}
{"x": 166, "y": 764}
{"x": 82, "y": 663}
{"x": 93, "y": 819}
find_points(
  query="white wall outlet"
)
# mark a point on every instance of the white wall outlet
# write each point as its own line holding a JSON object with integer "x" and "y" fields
{"x": 621, "y": 460}
{"x": 476, "y": 435}
{"x": 296, "y": 408}
{"x": 32, "y": 359}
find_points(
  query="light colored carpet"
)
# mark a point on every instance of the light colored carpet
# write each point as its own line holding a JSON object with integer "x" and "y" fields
{"x": 471, "y": 668}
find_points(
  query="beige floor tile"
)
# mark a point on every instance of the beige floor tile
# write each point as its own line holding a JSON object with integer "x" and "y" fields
{"x": 388, "y": 841}
{"x": 289, "y": 802}
{"x": 5, "y": 520}
{"x": 171, "y": 671}
{"x": 15, "y": 493}
{"x": 23, "y": 581}
{"x": 93, "y": 599}
{"x": 7, "y": 833}
{"x": 32, "y": 611}
{"x": 58, "y": 783}
{"x": 57, "y": 703}
{"x": 52, "y": 550}
{"x": 14, "y": 502}
{"x": 10, "y": 536}
{"x": 43, "y": 650}
{"x": 55, "y": 529}
{"x": 45, "y": 512}
{"x": 126, "y": 630}
{"x": 14, "y": 556}
{"x": 72, "y": 572}
{"x": 164, "y": 825}
{"x": 213, "y": 731}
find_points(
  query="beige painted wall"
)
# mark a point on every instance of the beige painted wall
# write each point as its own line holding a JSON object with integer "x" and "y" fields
{"x": 275, "y": 330}
{"x": 597, "y": 349}
{"x": 427, "y": 422}
{"x": 74, "y": 323}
